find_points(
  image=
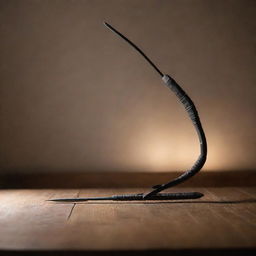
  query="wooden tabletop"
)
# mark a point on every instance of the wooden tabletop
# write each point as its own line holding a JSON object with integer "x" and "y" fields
{"x": 224, "y": 219}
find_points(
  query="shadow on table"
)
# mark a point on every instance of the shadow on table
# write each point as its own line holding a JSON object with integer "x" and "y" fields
{"x": 250, "y": 200}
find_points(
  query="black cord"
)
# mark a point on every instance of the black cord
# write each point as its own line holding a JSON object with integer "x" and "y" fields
{"x": 193, "y": 114}
{"x": 135, "y": 47}
{"x": 134, "y": 197}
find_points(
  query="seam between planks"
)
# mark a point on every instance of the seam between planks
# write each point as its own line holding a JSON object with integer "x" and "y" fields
{"x": 73, "y": 207}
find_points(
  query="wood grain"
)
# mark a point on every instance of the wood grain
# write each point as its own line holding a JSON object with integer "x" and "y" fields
{"x": 225, "y": 218}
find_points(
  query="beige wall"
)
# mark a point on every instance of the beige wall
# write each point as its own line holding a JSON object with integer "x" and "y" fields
{"x": 75, "y": 97}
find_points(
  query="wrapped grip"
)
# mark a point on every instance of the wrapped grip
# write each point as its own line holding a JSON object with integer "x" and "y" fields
{"x": 161, "y": 196}
{"x": 193, "y": 115}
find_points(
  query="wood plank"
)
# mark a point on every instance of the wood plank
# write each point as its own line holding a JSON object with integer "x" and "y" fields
{"x": 224, "y": 218}
{"x": 205, "y": 223}
{"x": 27, "y": 220}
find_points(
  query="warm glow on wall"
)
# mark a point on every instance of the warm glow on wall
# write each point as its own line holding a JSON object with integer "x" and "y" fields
{"x": 157, "y": 155}
{"x": 75, "y": 98}
{"x": 161, "y": 150}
